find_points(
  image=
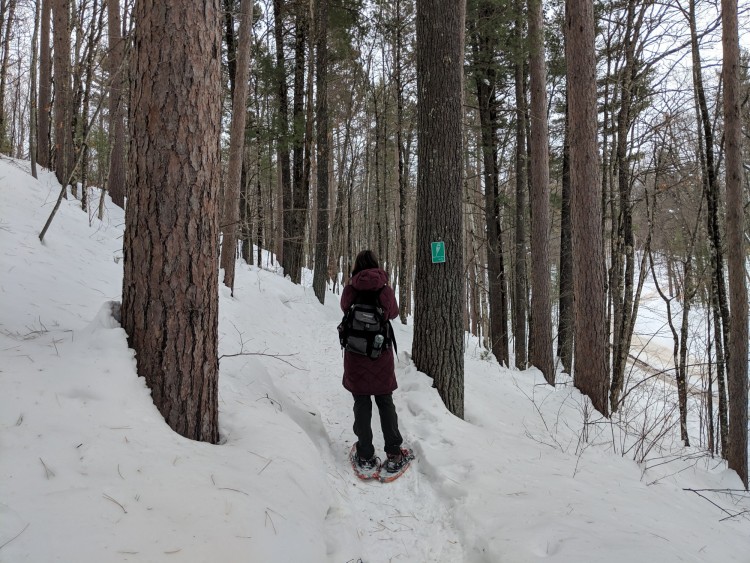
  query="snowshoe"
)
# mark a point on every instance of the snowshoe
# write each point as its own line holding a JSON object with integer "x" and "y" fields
{"x": 396, "y": 465}
{"x": 364, "y": 469}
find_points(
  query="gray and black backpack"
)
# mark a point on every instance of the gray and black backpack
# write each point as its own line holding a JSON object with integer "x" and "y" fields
{"x": 365, "y": 330}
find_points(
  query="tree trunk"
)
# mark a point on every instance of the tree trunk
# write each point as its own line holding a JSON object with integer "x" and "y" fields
{"x": 170, "y": 294}
{"x": 383, "y": 199}
{"x": 246, "y": 218}
{"x": 33, "y": 126}
{"x": 236, "y": 144}
{"x": 721, "y": 381}
{"x": 519, "y": 272}
{"x": 590, "y": 369}
{"x": 78, "y": 30}
{"x": 323, "y": 153}
{"x": 283, "y": 138}
{"x": 484, "y": 49}
{"x": 708, "y": 393}
{"x": 308, "y": 242}
{"x": 403, "y": 176}
{"x": 541, "y": 352}
{"x": 230, "y": 39}
{"x": 259, "y": 203}
{"x": 735, "y": 225}
{"x": 682, "y": 374}
{"x": 301, "y": 188}
{"x": 378, "y": 118}
{"x": 9, "y": 24}
{"x": 565, "y": 315}
{"x": 117, "y": 75}
{"x": 63, "y": 134}
{"x": 94, "y": 38}
{"x": 438, "y": 347}
{"x": 45, "y": 87}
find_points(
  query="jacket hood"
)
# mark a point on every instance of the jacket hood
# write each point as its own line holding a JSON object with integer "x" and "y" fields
{"x": 369, "y": 280}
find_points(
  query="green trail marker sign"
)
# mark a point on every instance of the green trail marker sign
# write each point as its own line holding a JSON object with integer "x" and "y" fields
{"x": 438, "y": 252}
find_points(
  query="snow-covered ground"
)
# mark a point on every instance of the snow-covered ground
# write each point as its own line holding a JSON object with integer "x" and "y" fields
{"x": 89, "y": 471}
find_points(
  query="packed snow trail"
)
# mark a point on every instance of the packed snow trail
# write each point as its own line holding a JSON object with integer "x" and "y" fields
{"x": 376, "y": 522}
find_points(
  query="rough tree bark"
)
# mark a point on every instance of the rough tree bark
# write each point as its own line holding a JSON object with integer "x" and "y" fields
{"x": 230, "y": 39}
{"x": 519, "y": 272}
{"x": 236, "y": 144}
{"x": 301, "y": 194}
{"x": 735, "y": 225}
{"x": 309, "y": 121}
{"x": 61, "y": 110}
{"x": 403, "y": 177}
{"x": 283, "y": 137}
{"x": 541, "y": 316}
{"x": 45, "y": 87}
{"x": 33, "y": 127}
{"x": 438, "y": 347}
{"x": 258, "y": 186}
{"x": 7, "y": 26}
{"x": 170, "y": 294}
{"x": 590, "y": 369}
{"x": 323, "y": 153}
{"x": 566, "y": 318}
{"x": 117, "y": 75}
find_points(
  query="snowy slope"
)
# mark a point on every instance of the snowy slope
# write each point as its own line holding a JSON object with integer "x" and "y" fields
{"x": 89, "y": 472}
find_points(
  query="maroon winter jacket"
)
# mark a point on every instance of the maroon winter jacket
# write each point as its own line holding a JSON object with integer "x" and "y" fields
{"x": 363, "y": 375}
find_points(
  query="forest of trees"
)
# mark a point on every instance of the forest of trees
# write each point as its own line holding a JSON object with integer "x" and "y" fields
{"x": 564, "y": 153}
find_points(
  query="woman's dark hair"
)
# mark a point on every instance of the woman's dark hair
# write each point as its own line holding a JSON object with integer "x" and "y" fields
{"x": 366, "y": 260}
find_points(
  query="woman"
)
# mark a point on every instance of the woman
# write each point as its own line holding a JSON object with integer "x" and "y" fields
{"x": 365, "y": 377}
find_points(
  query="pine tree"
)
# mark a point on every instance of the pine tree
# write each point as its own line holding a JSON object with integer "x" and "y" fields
{"x": 236, "y": 144}
{"x": 62, "y": 111}
{"x": 541, "y": 315}
{"x": 320, "y": 274}
{"x": 590, "y": 355}
{"x": 438, "y": 347}
{"x": 170, "y": 294}
{"x": 117, "y": 74}
{"x": 737, "y": 365}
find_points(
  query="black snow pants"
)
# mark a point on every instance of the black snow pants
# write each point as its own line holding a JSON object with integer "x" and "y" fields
{"x": 388, "y": 423}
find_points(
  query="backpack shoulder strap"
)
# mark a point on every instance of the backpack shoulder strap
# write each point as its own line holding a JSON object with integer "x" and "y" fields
{"x": 392, "y": 337}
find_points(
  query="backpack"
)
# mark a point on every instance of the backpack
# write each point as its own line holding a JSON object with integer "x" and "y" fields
{"x": 365, "y": 330}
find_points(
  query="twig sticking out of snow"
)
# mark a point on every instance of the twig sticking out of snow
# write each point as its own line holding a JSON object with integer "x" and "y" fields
{"x": 242, "y": 352}
{"x": 106, "y": 496}
{"x": 279, "y": 357}
{"x": 14, "y": 537}
{"x": 47, "y": 471}
{"x": 235, "y": 490}
{"x": 724, "y": 510}
{"x": 264, "y": 467}
{"x": 268, "y": 518}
